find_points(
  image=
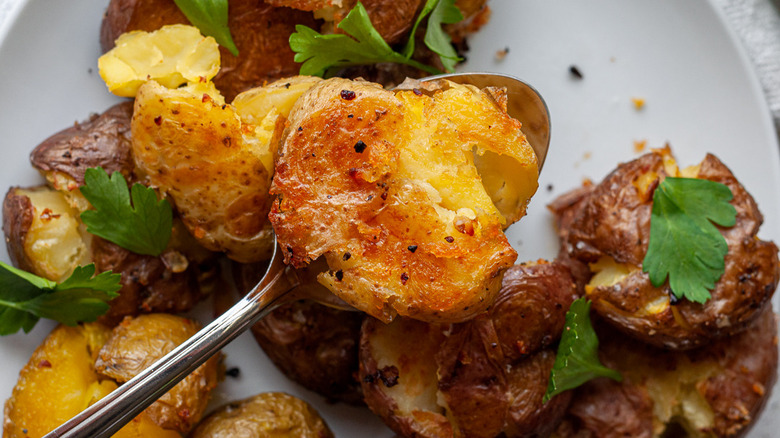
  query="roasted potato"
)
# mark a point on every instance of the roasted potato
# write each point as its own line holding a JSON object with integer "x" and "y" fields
{"x": 260, "y": 31}
{"x": 215, "y": 161}
{"x": 266, "y": 415}
{"x": 482, "y": 378}
{"x": 608, "y": 229}
{"x": 713, "y": 391}
{"x": 76, "y": 366}
{"x": 312, "y": 344}
{"x": 359, "y": 163}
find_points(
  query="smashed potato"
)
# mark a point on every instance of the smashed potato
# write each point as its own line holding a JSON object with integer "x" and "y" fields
{"x": 482, "y": 378}
{"x": 358, "y": 164}
{"x": 607, "y": 229}
{"x": 215, "y": 161}
{"x": 270, "y": 414}
{"x": 715, "y": 391}
{"x": 76, "y": 366}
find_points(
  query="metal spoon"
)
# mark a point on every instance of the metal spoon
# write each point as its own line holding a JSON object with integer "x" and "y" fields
{"x": 110, "y": 413}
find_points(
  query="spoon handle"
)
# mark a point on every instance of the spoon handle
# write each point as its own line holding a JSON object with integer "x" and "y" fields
{"x": 110, "y": 413}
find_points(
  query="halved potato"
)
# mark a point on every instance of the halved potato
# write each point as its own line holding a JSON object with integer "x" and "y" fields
{"x": 360, "y": 164}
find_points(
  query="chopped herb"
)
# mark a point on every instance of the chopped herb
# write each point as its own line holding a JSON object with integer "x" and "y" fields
{"x": 211, "y": 18}
{"x": 684, "y": 244}
{"x": 143, "y": 227}
{"x": 577, "y": 360}
{"x": 24, "y": 297}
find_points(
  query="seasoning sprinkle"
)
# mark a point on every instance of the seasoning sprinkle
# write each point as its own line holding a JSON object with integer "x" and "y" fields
{"x": 360, "y": 146}
{"x": 347, "y": 94}
{"x": 412, "y": 248}
{"x": 339, "y": 275}
{"x": 449, "y": 239}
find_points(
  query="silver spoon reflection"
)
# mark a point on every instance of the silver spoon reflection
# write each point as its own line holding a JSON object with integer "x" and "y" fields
{"x": 110, "y": 413}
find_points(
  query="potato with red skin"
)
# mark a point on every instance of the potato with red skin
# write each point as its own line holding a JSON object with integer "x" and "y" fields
{"x": 717, "y": 390}
{"x": 429, "y": 380}
{"x": 609, "y": 228}
{"x": 358, "y": 164}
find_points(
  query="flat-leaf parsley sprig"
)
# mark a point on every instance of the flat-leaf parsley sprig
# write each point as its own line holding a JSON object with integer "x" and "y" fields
{"x": 577, "y": 360}
{"x": 25, "y": 298}
{"x": 684, "y": 243}
{"x": 211, "y": 18}
{"x": 143, "y": 226}
{"x": 364, "y": 45}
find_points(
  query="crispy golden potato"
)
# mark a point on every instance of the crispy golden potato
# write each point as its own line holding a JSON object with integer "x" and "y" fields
{"x": 428, "y": 380}
{"x": 260, "y": 31}
{"x": 609, "y": 227}
{"x": 76, "y": 366}
{"x": 312, "y": 344}
{"x": 358, "y": 164}
{"x": 137, "y": 343}
{"x": 715, "y": 391}
{"x": 215, "y": 161}
{"x": 266, "y": 415}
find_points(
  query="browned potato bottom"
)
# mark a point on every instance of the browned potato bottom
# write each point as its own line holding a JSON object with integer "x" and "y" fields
{"x": 481, "y": 378}
{"x": 607, "y": 229}
{"x": 266, "y": 415}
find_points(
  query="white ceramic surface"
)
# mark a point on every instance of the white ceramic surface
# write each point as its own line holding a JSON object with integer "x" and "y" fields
{"x": 701, "y": 96}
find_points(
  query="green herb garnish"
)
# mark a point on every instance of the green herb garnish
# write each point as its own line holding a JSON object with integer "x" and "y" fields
{"x": 211, "y": 18}
{"x": 143, "y": 227}
{"x": 684, "y": 244}
{"x": 577, "y": 360}
{"x": 24, "y": 297}
{"x": 364, "y": 45}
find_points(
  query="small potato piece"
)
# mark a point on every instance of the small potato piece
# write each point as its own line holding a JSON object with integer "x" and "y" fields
{"x": 359, "y": 163}
{"x": 427, "y": 380}
{"x": 714, "y": 391}
{"x": 266, "y": 415}
{"x": 608, "y": 228}
{"x": 137, "y": 343}
{"x": 212, "y": 161}
{"x": 172, "y": 56}
{"x": 60, "y": 381}
{"x": 43, "y": 234}
{"x": 260, "y": 32}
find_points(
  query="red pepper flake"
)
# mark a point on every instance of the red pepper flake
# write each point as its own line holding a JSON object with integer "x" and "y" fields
{"x": 205, "y": 98}
{"x": 339, "y": 275}
{"x": 417, "y": 91}
{"x": 347, "y": 94}
{"x": 184, "y": 413}
{"x": 449, "y": 239}
{"x": 412, "y": 248}
{"x": 347, "y": 256}
{"x": 47, "y": 215}
{"x": 158, "y": 120}
{"x": 44, "y": 364}
{"x": 352, "y": 172}
{"x": 360, "y": 146}
{"x": 404, "y": 278}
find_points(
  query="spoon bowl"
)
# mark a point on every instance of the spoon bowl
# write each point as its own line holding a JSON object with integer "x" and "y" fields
{"x": 110, "y": 413}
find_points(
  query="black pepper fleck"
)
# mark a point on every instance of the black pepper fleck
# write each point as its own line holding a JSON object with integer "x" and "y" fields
{"x": 349, "y": 116}
{"x": 575, "y": 72}
{"x": 449, "y": 239}
{"x": 346, "y": 256}
{"x": 360, "y": 146}
{"x": 339, "y": 275}
{"x": 404, "y": 278}
{"x": 300, "y": 128}
{"x": 412, "y": 248}
{"x": 233, "y": 372}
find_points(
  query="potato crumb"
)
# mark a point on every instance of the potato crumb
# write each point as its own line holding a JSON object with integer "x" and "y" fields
{"x": 639, "y": 146}
{"x": 638, "y": 102}
{"x": 501, "y": 54}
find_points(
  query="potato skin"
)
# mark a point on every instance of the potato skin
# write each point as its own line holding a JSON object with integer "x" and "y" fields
{"x": 344, "y": 192}
{"x": 270, "y": 414}
{"x": 613, "y": 220}
{"x": 312, "y": 344}
{"x": 260, "y": 32}
{"x": 428, "y": 380}
{"x": 17, "y": 219}
{"x": 733, "y": 377}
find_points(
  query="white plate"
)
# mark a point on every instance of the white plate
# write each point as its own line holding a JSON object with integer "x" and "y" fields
{"x": 701, "y": 96}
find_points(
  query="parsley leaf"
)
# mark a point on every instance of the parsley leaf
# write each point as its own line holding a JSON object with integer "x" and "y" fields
{"x": 24, "y": 297}
{"x": 143, "y": 227}
{"x": 362, "y": 44}
{"x": 684, "y": 244}
{"x": 409, "y": 47}
{"x": 437, "y": 39}
{"x": 211, "y": 18}
{"x": 577, "y": 360}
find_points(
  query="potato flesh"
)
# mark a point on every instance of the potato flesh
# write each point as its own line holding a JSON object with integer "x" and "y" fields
{"x": 59, "y": 381}
{"x": 54, "y": 243}
{"x": 172, "y": 56}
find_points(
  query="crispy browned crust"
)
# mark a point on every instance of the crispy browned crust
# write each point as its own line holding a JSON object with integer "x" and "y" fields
{"x": 260, "y": 32}
{"x": 102, "y": 141}
{"x": 614, "y": 220}
{"x": 483, "y": 392}
{"x": 17, "y": 219}
{"x": 743, "y": 369}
